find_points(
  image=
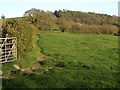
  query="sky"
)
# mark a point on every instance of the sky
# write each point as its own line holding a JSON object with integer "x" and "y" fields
{"x": 16, "y": 8}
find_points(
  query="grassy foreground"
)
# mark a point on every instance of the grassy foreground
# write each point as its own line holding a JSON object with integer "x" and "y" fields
{"x": 71, "y": 60}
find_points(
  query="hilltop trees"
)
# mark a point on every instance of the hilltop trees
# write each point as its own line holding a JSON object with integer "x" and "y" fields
{"x": 3, "y": 16}
{"x": 32, "y": 12}
{"x": 73, "y": 21}
{"x": 41, "y": 19}
{"x": 57, "y": 13}
{"x": 86, "y": 18}
{"x": 90, "y": 22}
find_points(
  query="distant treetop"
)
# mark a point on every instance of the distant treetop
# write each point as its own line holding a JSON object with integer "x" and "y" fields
{"x": 3, "y": 16}
{"x": 32, "y": 12}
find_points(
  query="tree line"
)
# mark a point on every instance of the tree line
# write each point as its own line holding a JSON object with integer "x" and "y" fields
{"x": 73, "y": 21}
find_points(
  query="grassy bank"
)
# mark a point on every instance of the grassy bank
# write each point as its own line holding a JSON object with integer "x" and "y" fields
{"x": 27, "y": 49}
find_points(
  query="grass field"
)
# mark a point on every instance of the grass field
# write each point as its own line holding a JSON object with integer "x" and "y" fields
{"x": 71, "y": 60}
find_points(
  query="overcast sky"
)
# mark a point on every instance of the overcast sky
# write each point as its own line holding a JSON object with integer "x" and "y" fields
{"x": 16, "y": 8}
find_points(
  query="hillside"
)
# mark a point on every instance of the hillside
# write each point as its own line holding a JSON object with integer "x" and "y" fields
{"x": 73, "y": 21}
{"x": 60, "y": 50}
